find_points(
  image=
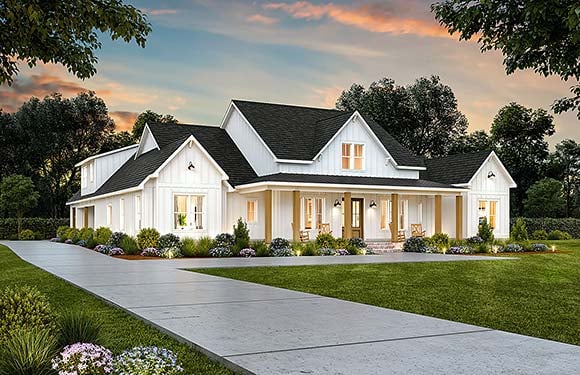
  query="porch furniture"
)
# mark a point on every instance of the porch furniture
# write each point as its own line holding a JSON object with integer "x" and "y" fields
{"x": 401, "y": 236}
{"x": 304, "y": 236}
{"x": 324, "y": 228}
{"x": 417, "y": 230}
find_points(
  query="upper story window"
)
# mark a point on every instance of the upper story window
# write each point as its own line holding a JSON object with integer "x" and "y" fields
{"x": 92, "y": 172}
{"x": 84, "y": 176}
{"x": 353, "y": 156}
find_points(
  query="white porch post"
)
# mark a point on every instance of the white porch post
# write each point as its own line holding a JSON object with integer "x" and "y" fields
{"x": 459, "y": 217}
{"x": 268, "y": 216}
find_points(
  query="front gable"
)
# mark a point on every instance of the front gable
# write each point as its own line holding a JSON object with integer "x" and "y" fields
{"x": 491, "y": 177}
{"x": 147, "y": 142}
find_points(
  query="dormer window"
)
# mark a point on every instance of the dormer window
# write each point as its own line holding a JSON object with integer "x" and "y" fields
{"x": 84, "y": 175}
{"x": 353, "y": 156}
{"x": 92, "y": 172}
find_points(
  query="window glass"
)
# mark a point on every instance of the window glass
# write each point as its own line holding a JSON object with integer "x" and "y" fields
{"x": 251, "y": 211}
{"x": 358, "y": 157}
{"x": 319, "y": 210}
{"x": 180, "y": 211}
{"x": 356, "y": 214}
{"x": 92, "y": 172}
{"x": 197, "y": 201}
{"x": 385, "y": 212}
{"x": 188, "y": 211}
{"x": 492, "y": 213}
{"x": 307, "y": 213}
{"x": 346, "y": 155}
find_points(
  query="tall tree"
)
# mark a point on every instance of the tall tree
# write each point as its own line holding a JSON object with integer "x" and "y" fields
{"x": 17, "y": 195}
{"x": 544, "y": 199}
{"x": 533, "y": 34}
{"x": 564, "y": 165}
{"x": 148, "y": 117}
{"x": 479, "y": 140}
{"x": 422, "y": 116}
{"x": 64, "y": 31}
{"x": 518, "y": 134}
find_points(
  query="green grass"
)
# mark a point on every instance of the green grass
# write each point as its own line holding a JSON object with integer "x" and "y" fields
{"x": 121, "y": 331}
{"x": 537, "y": 295}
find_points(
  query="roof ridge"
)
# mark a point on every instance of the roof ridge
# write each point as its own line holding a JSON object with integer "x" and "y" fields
{"x": 335, "y": 116}
{"x": 461, "y": 154}
{"x": 183, "y": 124}
{"x": 288, "y": 105}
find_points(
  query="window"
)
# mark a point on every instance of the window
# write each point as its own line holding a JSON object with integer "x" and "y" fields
{"x": 420, "y": 213}
{"x": 121, "y": 214}
{"x": 487, "y": 210}
{"x": 492, "y": 213}
{"x": 313, "y": 212}
{"x": 109, "y": 215}
{"x": 84, "y": 177}
{"x": 403, "y": 219}
{"x": 92, "y": 172}
{"x": 385, "y": 214}
{"x": 138, "y": 211}
{"x": 188, "y": 212}
{"x": 251, "y": 211}
{"x": 352, "y": 156}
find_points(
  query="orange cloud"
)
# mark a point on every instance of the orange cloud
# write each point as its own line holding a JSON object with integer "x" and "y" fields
{"x": 264, "y": 20}
{"x": 159, "y": 12}
{"x": 378, "y": 18}
{"x": 124, "y": 120}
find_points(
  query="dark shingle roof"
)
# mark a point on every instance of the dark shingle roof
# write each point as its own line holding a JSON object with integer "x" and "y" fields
{"x": 454, "y": 169}
{"x": 350, "y": 180}
{"x": 169, "y": 137}
{"x": 299, "y": 133}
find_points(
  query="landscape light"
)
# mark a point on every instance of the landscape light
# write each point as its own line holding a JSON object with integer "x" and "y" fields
{"x": 444, "y": 250}
{"x": 553, "y": 248}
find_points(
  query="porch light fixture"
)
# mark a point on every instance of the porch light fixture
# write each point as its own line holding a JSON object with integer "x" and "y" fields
{"x": 373, "y": 204}
{"x": 337, "y": 203}
{"x": 191, "y": 167}
{"x": 490, "y": 174}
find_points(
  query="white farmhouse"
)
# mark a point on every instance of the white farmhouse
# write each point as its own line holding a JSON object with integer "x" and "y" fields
{"x": 289, "y": 172}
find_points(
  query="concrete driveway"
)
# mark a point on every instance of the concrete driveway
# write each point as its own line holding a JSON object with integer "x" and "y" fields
{"x": 258, "y": 329}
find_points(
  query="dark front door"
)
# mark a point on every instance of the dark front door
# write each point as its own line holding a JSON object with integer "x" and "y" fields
{"x": 357, "y": 219}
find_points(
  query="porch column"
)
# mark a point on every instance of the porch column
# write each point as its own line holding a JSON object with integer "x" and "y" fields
{"x": 86, "y": 217}
{"x": 347, "y": 215}
{"x": 268, "y": 216}
{"x": 459, "y": 217}
{"x": 438, "y": 214}
{"x": 296, "y": 216}
{"x": 394, "y": 217}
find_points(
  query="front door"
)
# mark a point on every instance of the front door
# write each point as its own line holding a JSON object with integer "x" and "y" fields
{"x": 357, "y": 219}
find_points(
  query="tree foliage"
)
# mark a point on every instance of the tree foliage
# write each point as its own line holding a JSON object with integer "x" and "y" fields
{"x": 545, "y": 199}
{"x": 64, "y": 32}
{"x": 479, "y": 140}
{"x": 518, "y": 134}
{"x": 17, "y": 196}
{"x": 149, "y": 117}
{"x": 422, "y": 116}
{"x": 564, "y": 165}
{"x": 534, "y": 34}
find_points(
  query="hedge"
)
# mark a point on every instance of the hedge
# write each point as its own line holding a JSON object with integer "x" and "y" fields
{"x": 43, "y": 227}
{"x": 548, "y": 224}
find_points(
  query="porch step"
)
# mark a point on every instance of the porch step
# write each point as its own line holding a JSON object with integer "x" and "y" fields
{"x": 384, "y": 247}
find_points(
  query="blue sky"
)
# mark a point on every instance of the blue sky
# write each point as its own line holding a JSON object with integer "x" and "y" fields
{"x": 202, "y": 53}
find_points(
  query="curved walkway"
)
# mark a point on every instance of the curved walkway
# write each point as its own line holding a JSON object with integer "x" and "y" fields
{"x": 257, "y": 329}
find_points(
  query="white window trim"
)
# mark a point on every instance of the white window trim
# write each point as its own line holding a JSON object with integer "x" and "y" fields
{"x": 109, "y": 215}
{"x": 256, "y": 216}
{"x": 92, "y": 171}
{"x": 388, "y": 219}
{"x": 138, "y": 212}
{"x": 420, "y": 213}
{"x": 84, "y": 176}
{"x": 487, "y": 211}
{"x": 190, "y": 228}
{"x": 122, "y": 214}
{"x": 303, "y": 211}
{"x": 352, "y": 157}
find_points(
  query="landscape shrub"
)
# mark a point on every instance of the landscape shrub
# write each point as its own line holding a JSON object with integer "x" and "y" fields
{"x": 62, "y": 232}
{"x": 147, "y": 360}
{"x": 341, "y": 243}
{"x": 26, "y": 235}
{"x": 82, "y": 243}
{"x": 353, "y": 250}
{"x": 262, "y": 250}
{"x": 559, "y": 235}
{"x": 414, "y": 245}
{"x": 169, "y": 240}
{"x": 539, "y": 234}
{"x": 171, "y": 252}
{"x": 24, "y": 307}
{"x": 241, "y": 236}
{"x": 475, "y": 240}
{"x": 116, "y": 238}
{"x": 280, "y": 247}
{"x": 84, "y": 359}
{"x": 461, "y": 250}
{"x": 129, "y": 245}
{"x": 519, "y": 231}
{"x": 78, "y": 326}
{"x": 73, "y": 235}
{"x": 45, "y": 227}
{"x": 188, "y": 247}
{"x": 147, "y": 238}
{"x": 484, "y": 231}
{"x": 539, "y": 247}
{"x": 513, "y": 248}
{"x": 357, "y": 242}
{"x": 151, "y": 252}
{"x": 28, "y": 352}
{"x": 325, "y": 240}
{"x": 116, "y": 251}
{"x": 247, "y": 252}
{"x": 102, "y": 235}
{"x": 326, "y": 251}
{"x": 68, "y": 241}
{"x": 309, "y": 249}
{"x": 341, "y": 252}
{"x": 204, "y": 245}
{"x": 91, "y": 243}
{"x": 85, "y": 233}
{"x": 439, "y": 240}
{"x": 224, "y": 240}
{"x": 570, "y": 225}
{"x": 103, "y": 249}
{"x": 220, "y": 252}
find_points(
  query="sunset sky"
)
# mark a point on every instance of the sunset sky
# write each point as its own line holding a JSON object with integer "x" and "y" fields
{"x": 202, "y": 53}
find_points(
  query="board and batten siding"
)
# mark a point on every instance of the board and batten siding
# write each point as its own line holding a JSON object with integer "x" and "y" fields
{"x": 237, "y": 208}
{"x": 103, "y": 168}
{"x": 376, "y": 163}
{"x": 249, "y": 144}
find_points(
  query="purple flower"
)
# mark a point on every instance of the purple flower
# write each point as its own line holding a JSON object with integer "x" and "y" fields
{"x": 247, "y": 252}
{"x": 84, "y": 359}
{"x": 151, "y": 252}
{"x": 116, "y": 251}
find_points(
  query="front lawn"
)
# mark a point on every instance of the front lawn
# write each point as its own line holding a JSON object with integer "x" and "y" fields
{"x": 120, "y": 330}
{"x": 537, "y": 295}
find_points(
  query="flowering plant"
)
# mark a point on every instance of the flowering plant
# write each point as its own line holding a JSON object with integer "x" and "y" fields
{"x": 116, "y": 251}
{"x": 55, "y": 239}
{"x": 168, "y": 240}
{"x": 431, "y": 250}
{"x": 171, "y": 252}
{"x": 147, "y": 360}
{"x": 151, "y": 252}
{"x": 326, "y": 251}
{"x": 83, "y": 359}
{"x": 103, "y": 249}
{"x": 247, "y": 252}
{"x": 460, "y": 250}
{"x": 224, "y": 240}
{"x": 341, "y": 252}
{"x": 357, "y": 242}
{"x": 513, "y": 248}
{"x": 475, "y": 240}
{"x": 68, "y": 242}
{"x": 279, "y": 243}
{"x": 82, "y": 243}
{"x": 220, "y": 252}
{"x": 539, "y": 247}
{"x": 281, "y": 252}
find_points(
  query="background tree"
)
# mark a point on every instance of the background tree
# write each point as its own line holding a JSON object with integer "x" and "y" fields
{"x": 518, "y": 134}
{"x": 544, "y": 199}
{"x": 148, "y": 117}
{"x": 533, "y": 34}
{"x": 479, "y": 140}
{"x": 423, "y": 116}
{"x": 64, "y": 31}
{"x": 17, "y": 195}
{"x": 564, "y": 165}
